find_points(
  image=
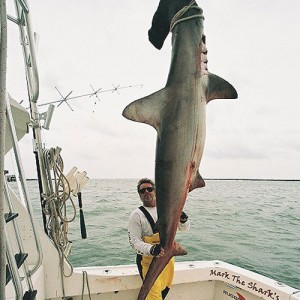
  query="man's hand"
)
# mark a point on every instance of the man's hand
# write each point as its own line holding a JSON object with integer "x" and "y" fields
{"x": 157, "y": 251}
{"x": 184, "y": 217}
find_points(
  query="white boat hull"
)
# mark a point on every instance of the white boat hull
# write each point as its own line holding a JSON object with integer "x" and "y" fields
{"x": 195, "y": 280}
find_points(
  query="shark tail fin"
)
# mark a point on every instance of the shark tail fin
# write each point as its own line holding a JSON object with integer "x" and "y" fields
{"x": 147, "y": 110}
{"x": 219, "y": 88}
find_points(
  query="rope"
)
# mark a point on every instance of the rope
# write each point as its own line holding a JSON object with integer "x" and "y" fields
{"x": 85, "y": 278}
{"x": 176, "y": 19}
{"x": 56, "y": 205}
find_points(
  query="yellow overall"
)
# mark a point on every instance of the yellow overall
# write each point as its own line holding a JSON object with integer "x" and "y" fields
{"x": 163, "y": 283}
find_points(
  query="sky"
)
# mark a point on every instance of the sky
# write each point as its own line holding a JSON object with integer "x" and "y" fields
{"x": 254, "y": 45}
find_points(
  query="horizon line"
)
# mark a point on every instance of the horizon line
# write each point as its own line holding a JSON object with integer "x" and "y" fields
{"x": 219, "y": 179}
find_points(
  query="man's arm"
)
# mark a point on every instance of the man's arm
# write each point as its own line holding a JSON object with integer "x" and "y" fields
{"x": 135, "y": 236}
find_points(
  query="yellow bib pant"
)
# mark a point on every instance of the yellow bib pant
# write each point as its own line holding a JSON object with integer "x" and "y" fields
{"x": 163, "y": 283}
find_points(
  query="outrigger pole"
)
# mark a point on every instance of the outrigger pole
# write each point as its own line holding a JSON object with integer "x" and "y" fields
{"x": 3, "y": 64}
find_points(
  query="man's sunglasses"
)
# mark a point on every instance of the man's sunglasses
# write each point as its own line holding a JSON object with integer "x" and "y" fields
{"x": 149, "y": 189}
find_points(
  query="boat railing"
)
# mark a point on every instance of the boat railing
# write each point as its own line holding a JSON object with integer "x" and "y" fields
{"x": 28, "y": 41}
{"x": 24, "y": 185}
{"x": 20, "y": 256}
{"x": 3, "y": 68}
{"x": 13, "y": 269}
{"x": 28, "y": 45}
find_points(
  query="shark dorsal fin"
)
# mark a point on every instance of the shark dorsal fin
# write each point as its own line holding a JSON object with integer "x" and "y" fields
{"x": 219, "y": 88}
{"x": 147, "y": 110}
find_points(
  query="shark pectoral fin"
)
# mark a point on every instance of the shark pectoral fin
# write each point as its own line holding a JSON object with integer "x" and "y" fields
{"x": 198, "y": 182}
{"x": 147, "y": 110}
{"x": 178, "y": 250}
{"x": 219, "y": 88}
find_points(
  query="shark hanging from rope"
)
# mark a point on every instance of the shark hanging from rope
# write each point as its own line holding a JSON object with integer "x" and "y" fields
{"x": 177, "y": 112}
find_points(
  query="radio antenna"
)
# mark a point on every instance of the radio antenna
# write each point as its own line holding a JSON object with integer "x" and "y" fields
{"x": 64, "y": 99}
{"x": 67, "y": 99}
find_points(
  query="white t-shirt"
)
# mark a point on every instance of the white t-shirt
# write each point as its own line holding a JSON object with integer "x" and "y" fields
{"x": 139, "y": 226}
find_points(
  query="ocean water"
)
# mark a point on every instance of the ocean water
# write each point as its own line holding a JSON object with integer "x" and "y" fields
{"x": 252, "y": 224}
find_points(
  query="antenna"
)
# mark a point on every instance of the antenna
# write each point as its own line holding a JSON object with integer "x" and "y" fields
{"x": 116, "y": 89}
{"x": 64, "y": 99}
{"x": 95, "y": 93}
{"x": 90, "y": 95}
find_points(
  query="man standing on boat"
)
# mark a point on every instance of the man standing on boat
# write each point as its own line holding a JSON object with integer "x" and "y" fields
{"x": 144, "y": 238}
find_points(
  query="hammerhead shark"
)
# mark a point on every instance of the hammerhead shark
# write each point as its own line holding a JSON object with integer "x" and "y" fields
{"x": 177, "y": 112}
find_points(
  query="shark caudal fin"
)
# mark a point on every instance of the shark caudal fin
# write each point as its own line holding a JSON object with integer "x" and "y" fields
{"x": 148, "y": 109}
{"x": 219, "y": 88}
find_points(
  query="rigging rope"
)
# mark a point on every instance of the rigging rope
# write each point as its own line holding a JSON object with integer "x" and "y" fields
{"x": 176, "y": 19}
{"x": 56, "y": 205}
{"x": 85, "y": 278}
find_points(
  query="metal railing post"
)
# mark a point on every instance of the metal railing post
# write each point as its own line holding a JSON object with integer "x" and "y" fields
{"x": 3, "y": 63}
{"x": 23, "y": 184}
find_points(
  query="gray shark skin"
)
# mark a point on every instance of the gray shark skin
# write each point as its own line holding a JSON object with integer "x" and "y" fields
{"x": 177, "y": 112}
